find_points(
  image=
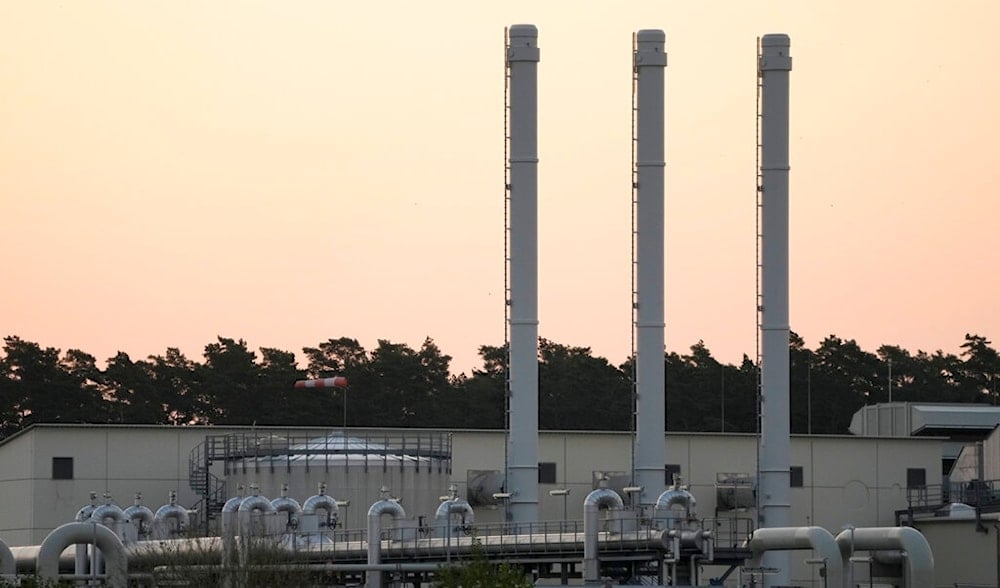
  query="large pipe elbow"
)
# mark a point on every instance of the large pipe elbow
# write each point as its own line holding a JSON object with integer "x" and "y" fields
{"x": 793, "y": 538}
{"x": 918, "y": 560}
{"x": 375, "y": 512}
{"x": 173, "y": 512}
{"x": 116, "y": 566}
{"x": 232, "y": 505}
{"x": 140, "y": 516}
{"x": 677, "y": 497}
{"x": 83, "y": 515}
{"x": 592, "y": 504}
{"x": 383, "y": 507}
{"x": 107, "y": 512}
{"x": 325, "y": 503}
{"x": 256, "y": 503}
{"x": 286, "y": 504}
{"x": 451, "y": 507}
{"x": 138, "y": 513}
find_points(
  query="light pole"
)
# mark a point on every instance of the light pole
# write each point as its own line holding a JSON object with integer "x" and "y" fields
{"x": 342, "y": 505}
{"x": 809, "y": 398}
{"x": 564, "y": 492}
{"x": 890, "y": 379}
{"x": 722, "y": 398}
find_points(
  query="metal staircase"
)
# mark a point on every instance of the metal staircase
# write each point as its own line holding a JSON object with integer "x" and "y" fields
{"x": 205, "y": 484}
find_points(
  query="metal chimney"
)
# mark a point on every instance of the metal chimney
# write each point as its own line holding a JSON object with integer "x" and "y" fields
{"x": 775, "y": 447}
{"x": 650, "y": 422}
{"x": 522, "y": 436}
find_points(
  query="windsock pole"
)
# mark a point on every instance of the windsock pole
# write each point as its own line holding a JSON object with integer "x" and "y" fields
{"x": 334, "y": 382}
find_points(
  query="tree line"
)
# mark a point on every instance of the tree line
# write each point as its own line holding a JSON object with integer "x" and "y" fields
{"x": 395, "y": 385}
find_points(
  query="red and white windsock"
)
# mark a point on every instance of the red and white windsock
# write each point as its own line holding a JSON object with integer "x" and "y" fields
{"x": 334, "y": 382}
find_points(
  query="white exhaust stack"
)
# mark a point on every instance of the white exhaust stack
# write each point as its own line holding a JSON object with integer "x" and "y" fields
{"x": 522, "y": 439}
{"x": 650, "y": 424}
{"x": 775, "y": 446}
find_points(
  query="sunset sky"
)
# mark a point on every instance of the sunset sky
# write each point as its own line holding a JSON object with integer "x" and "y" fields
{"x": 289, "y": 172}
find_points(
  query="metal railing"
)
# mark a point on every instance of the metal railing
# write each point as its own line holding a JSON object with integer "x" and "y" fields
{"x": 556, "y": 539}
{"x": 974, "y": 493}
{"x": 245, "y": 452}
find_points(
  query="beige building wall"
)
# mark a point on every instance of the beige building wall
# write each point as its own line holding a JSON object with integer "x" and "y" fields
{"x": 846, "y": 479}
{"x": 119, "y": 460}
{"x": 963, "y": 556}
{"x": 17, "y": 489}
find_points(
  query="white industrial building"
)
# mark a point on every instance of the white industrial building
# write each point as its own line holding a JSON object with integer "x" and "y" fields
{"x": 836, "y": 480}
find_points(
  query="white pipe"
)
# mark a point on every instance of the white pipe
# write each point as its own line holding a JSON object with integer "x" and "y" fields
{"x": 446, "y": 509}
{"x": 108, "y": 512}
{"x": 675, "y": 496}
{"x": 111, "y": 516}
{"x": 140, "y": 516}
{"x": 325, "y": 502}
{"x": 173, "y": 511}
{"x": 382, "y": 507}
{"x": 287, "y": 504}
{"x": 82, "y": 565}
{"x": 592, "y": 504}
{"x": 650, "y": 403}
{"x": 522, "y": 439}
{"x": 918, "y": 568}
{"x": 256, "y": 503}
{"x": 775, "y": 444}
{"x": 766, "y": 541}
{"x": 63, "y": 536}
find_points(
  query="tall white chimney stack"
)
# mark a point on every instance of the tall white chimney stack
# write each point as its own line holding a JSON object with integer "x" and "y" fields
{"x": 775, "y": 446}
{"x": 650, "y": 424}
{"x": 522, "y": 436}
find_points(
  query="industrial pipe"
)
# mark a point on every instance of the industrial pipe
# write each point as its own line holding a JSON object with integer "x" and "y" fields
{"x": 173, "y": 512}
{"x": 649, "y": 65}
{"x": 918, "y": 568}
{"x": 676, "y": 496}
{"x": 229, "y": 513}
{"x": 382, "y": 507}
{"x": 287, "y": 504}
{"x": 775, "y": 443}
{"x": 139, "y": 513}
{"x": 592, "y": 504}
{"x": 256, "y": 503}
{"x": 68, "y": 534}
{"x": 309, "y": 527}
{"x": 82, "y": 565}
{"x": 454, "y": 506}
{"x": 764, "y": 541}
{"x": 111, "y": 516}
{"x": 322, "y": 501}
{"x": 522, "y": 423}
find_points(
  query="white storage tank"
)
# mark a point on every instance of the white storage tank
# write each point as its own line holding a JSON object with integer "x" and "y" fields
{"x": 415, "y": 466}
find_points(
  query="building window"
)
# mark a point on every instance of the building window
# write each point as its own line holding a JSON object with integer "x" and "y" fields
{"x": 62, "y": 468}
{"x": 547, "y": 472}
{"x": 916, "y": 478}
{"x": 671, "y": 470}
{"x": 797, "y": 477}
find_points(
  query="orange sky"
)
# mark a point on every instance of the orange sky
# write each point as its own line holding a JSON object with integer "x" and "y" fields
{"x": 287, "y": 172}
